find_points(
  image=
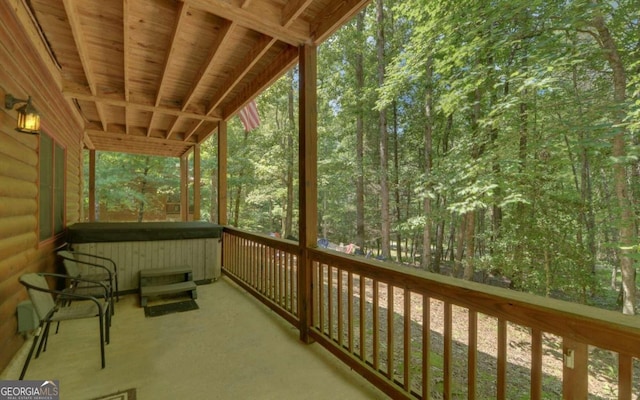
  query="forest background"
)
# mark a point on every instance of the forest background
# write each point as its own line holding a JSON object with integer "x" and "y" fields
{"x": 474, "y": 138}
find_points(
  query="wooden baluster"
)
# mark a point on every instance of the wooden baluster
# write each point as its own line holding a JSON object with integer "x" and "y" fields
{"x": 426, "y": 347}
{"x": 406, "y": 374}
{"x": 340, "y": 308}
{"x": 472, "y": 357}
{"x": 625, "y": 376}
{"x": 575, "y": 373}
{"x": 390, "y": 332}
{"x": 448, "y": 341}
{"x": 536, "y": 364}
{"x": 330, "y": 302}
{"x": 363, "y": 311}
{"x": 502, "y": 359}
{"x": 350, "y": 312}
{"x": 321, "y": 300}
{"x": 376, "y": 325}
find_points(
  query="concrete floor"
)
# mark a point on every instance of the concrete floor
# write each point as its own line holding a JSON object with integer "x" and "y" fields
{"x": 233, "y": 347}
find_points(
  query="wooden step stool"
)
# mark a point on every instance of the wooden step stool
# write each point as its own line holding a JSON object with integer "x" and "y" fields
{"x": 163, "y": 281}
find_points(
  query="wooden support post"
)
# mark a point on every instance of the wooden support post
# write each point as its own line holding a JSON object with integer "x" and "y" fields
{"x": 308, "y": 165}
{"x": 184, "y": 187}
{"x": 575, "y": 372}
{"x": 196, "y": 183}
{"x": 92, "y": 185}
{"x": 222, "y": 172}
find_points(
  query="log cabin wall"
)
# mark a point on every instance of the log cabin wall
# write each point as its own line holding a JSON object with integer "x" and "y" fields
{"x": 27, "y": 69}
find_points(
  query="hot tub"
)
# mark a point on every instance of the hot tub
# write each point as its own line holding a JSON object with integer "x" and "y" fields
{"x": 150, "y": 245}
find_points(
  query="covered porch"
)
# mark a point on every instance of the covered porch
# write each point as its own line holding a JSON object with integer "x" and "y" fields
{"x": 232, "y": 347}
{"x": 138, "y": 91}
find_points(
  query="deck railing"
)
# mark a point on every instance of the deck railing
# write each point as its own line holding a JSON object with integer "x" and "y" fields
{"x": 420, "y": 335}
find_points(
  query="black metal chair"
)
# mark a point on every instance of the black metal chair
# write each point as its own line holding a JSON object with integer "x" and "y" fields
{"x": 90, "y": 267}
{"x": 51, "y": 309}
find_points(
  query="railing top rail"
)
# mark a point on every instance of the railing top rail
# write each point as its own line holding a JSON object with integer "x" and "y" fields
{"x": 594, "y": 326}
{"x": 277, "y": 243}
{"x": 602, "y": 328}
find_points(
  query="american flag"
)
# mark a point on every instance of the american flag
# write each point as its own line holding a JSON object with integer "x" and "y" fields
{"x": 249, "y": 116}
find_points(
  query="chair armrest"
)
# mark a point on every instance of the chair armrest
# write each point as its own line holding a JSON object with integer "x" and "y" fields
{"x": 109, "y": 272}
{"x": 115, "y": 268}
{"x": 64, "y": 292}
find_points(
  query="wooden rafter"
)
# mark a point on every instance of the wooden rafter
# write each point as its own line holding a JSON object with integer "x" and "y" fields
{"x": 284, "y": 61}
{"x": 261, "y": 47}
{"x": 256, "y": 53}
{"x": 183, "y": 10}
{"x": 292, "y": 10}
{"x": 334, "y": 17}
{"x": 267, "y": 22}
{"x": 83, "y": 53}
{"x": 222, "y": 36}
{"x": 171, "y": 70}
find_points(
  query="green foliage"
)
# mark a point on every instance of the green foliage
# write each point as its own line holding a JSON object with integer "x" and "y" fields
{"x": 521, "y": 125}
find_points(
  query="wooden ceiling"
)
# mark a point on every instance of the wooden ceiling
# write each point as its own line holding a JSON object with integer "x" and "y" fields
{"x": 156, "y": 76}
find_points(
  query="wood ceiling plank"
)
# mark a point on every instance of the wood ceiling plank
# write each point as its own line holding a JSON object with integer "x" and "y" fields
{"x": 223, "y": 35}
{"x": 278, "y": 67}
{"x": 265, "y": 20}
{"x": 193, "y": 129}
{"x": 292, "y": 10}
{"x": 76, "y": 29}
{"x": 261, "y": 47}
{"x": 171, "y": 127}
{"x": 183, "y": 10}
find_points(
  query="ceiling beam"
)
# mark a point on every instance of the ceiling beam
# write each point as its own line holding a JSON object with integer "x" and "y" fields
{"x": 257, "y": 52}
{"x": 292, "y": 10}
{"x": 143, "y": 107}
{"x": 283, "y": 62}
{"x": 83, "y": 52}
{"x": 223, "y": 35}
{"x": 266, "y": 19}
{"x": 183, "y": 10}
{"x": 95, "y": 134}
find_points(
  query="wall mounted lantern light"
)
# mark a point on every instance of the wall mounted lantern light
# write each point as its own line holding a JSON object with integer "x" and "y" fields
{"x": 28, "y": 117}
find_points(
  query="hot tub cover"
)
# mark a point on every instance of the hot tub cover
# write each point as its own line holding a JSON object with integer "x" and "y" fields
{"x": 93, "y": 232}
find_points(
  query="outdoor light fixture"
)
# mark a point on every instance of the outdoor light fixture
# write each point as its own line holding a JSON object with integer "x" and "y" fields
{"x": 28, "y": 117}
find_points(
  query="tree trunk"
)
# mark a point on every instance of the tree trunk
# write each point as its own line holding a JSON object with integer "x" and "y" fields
{"x": 625, "y": 208}
{"x": 458, "y": 267}
{"x": 385, "y": 225}
{"x": 396, "y": 182}
{"x": 143, "y": 189}
{"x": 236, "y": 209}
{"x": 287, "y": 228}
{"x": 428, "y": 164}
{"x": 470, "y": 216}
{"x": 359, "y": 73}
{"x": 213, "y": 209}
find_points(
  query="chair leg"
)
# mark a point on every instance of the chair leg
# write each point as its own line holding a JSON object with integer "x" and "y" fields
{"x": 107, "y": 316}
{"x": 45, "y": 338}
{"x": 102, "y": 340}
{"x": 33, "y": 347}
